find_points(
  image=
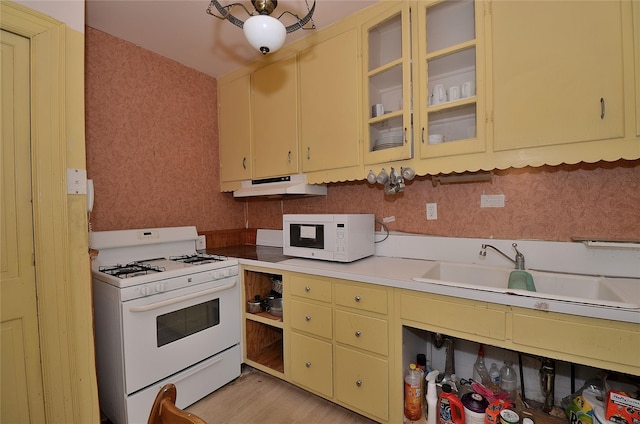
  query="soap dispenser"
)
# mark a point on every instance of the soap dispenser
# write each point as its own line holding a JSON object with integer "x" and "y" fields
{"x": 432, "y": 397}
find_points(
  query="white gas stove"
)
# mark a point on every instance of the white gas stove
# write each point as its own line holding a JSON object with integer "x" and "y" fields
{"x": 164, "y": 313}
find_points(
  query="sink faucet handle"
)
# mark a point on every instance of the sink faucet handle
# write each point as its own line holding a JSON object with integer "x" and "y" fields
{"x": 519, "y": 257}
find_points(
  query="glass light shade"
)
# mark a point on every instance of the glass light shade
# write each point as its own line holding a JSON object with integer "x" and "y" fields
{"x": 265, "y": 33}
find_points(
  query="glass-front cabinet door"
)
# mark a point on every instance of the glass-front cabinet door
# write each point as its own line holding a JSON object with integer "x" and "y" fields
{"x": 387, "y": 91}
{"x": 449, "y": 76}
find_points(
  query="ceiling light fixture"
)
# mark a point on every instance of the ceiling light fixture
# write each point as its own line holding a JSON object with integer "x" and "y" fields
{"x": 264, "y": 32}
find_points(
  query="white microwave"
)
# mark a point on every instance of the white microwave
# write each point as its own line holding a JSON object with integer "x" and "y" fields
{"x": 330, "y": 237}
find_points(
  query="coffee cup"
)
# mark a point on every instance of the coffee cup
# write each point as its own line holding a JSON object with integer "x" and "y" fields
{"x": 377, "y": 110}
{"x": 468, "y": 89}
{"x": 453, "y": 93}
{"x": 439, "y": 94}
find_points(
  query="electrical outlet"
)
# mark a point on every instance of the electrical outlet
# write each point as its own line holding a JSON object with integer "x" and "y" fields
{"x": 201, "y": 243}
{"x": 432, "y": 211}
{"x": 492, "y": 201}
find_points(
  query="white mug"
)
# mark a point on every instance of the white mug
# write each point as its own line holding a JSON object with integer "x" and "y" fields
{"x": 454, "y": 93}
{"x": 439, "y": 94}
{"x": 468, "y": 89}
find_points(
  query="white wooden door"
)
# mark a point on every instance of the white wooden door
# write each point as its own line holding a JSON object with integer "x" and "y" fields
{"x": 21, "y": 382}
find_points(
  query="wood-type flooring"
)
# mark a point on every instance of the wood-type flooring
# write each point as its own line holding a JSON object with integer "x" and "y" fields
{"x": 257, "y": 397}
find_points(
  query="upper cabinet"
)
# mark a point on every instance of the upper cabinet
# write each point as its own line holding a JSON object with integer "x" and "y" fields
{"x": 387, "y": 85}
{"x": 234, "y": 116}
{"x": 330, "y": 103}
{"x": 275, "y": 119}
{"x": 450, "y": 78}
{"x": 562, "y": 74}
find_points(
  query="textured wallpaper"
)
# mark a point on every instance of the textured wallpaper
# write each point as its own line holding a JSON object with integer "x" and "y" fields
{"x": 548, "y": 203}
{"x": 152, "y": 141}
{"x": 152, "y": 150}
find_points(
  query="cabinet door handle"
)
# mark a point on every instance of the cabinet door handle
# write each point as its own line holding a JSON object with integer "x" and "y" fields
{"x": 357, "y": 298}
{"x": 308, "y": 317}
{"x": 359, "y": 383}
{"x": 308, "y": 152}
{"x": 308, "y": 364}
{"x": 405, "y": 136}
{"x": 307, "y": 289}
{"x": 602, "y": 108}
{"x": 358, "y": 333}
{"x": 289, "y": 156}
{"x": 422, "y": 135}
{"x": 244, "y": 163}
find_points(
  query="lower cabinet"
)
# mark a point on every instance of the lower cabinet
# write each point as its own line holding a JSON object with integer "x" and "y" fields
{"x": 311, "y": 364}
{"x": 362, "y": 381}
{"x": 339, "y": 334}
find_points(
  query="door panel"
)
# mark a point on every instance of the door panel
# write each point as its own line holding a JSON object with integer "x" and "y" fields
{"x": 22, "y": 393}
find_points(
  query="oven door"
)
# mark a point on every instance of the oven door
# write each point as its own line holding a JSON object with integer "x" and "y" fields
{"x": 168, "y": 332}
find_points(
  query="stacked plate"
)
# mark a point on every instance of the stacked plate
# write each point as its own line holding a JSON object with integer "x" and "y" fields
{"x": 389, "y": 139}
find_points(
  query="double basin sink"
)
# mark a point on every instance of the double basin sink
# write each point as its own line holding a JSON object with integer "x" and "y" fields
{"x": 595, "y": 290}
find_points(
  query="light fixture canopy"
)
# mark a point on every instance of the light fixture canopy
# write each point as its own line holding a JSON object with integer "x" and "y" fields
{"x": 264, "y": 32}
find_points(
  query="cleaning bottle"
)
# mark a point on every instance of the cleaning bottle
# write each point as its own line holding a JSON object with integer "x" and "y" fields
{"x": 432, "y": 397}
{"x": 450, "y": 408}
{"x": 413, "y": 394}
{"x": 480, "y": 371}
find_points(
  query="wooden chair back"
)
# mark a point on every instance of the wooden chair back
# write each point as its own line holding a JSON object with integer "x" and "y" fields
{"x": 165, "y": 411}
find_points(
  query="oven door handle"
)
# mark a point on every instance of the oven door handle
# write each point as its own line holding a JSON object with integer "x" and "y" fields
{"x": 152, "y": 306}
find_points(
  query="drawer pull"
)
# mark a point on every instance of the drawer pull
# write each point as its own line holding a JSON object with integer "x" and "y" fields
{"x": 308, "y": 317}
{"x": 358, "y": 333}
{"x": 307, "y": 289}
{"x": 357, "y": 298}
{"x": 308, "y": 364}
{"x": 359, "y": 383}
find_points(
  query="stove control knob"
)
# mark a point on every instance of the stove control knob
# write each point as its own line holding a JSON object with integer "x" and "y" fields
{"x": 160, "y": 287}
{"x": 144, "y": 290}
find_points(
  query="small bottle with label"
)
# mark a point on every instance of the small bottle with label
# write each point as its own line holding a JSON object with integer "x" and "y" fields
{"x": 494, "y": 378}
{"x": 413, "y": 393}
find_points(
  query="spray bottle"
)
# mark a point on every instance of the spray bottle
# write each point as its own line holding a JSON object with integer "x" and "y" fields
{"x": 432, "y": 397}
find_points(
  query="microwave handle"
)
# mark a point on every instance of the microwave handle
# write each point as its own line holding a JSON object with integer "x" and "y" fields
{"x": 152, "y": 306}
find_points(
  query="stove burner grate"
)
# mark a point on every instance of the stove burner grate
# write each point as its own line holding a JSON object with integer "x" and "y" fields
{"x": 198, "y": 258}
{"x": 130, "y": 270}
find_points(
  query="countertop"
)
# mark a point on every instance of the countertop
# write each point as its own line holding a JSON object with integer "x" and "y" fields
{"x": 398, "y": 273}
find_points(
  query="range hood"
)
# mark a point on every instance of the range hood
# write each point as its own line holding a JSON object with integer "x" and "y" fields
{"x": 289, "y": 186}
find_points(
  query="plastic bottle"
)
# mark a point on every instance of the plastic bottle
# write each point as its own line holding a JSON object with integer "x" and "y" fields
{"x": 421, "y": 363}
{"x": 508, "y": 380}
{"x": 432, "y": 397}
{"x": 480, "y": 371}
{"x": 412, "y": 394}
{"x": 450, "y": 408}
{"x": 494, "y": 378}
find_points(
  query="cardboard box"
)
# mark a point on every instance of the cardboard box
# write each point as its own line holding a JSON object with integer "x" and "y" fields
{"x": 621, "y": 408}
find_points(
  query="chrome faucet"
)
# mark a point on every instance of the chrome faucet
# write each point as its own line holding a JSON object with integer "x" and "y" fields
{"x": 518, "y": 261}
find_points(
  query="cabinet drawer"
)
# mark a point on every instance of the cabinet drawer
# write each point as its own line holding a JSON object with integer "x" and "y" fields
{"x": 310, "y": 288}
{"x": 313, "y": 319}
{"x": 362, "y": 332}
{"x": 474, "y": 318}
{"x": 360, "y": 297}
{"x": 311, "y": 361}
{"x": 616, "y": 342}
{"x": 362, "y": 381}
